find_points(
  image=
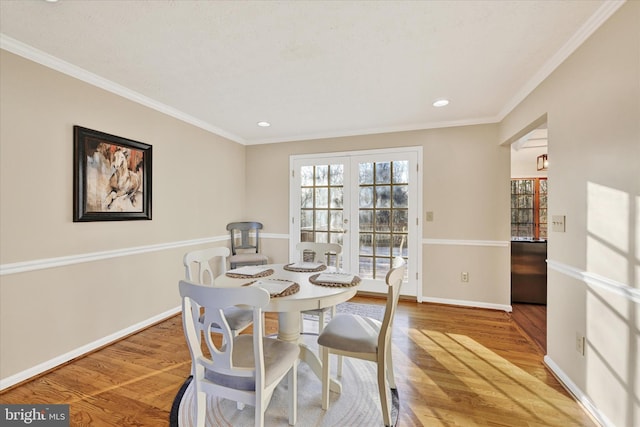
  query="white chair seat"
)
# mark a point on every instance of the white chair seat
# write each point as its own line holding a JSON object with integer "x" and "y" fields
{"x": 279, "y": 356}
{"x": 352, "y": 333}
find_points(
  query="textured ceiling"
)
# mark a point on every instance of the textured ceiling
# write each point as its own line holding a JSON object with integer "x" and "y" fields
{"x": 311, "y": 68}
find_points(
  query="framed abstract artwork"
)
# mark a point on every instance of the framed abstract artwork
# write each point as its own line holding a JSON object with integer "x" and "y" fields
{"x": 111, "y": 177}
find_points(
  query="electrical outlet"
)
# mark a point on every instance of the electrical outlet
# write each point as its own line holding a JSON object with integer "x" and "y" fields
{"x": 580, "y": 344}
{"x": 464, "y": 277}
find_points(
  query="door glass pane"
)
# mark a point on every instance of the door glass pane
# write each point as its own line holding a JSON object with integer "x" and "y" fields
{"x": 322, "y": 221}
{"x": 306, "y": 220}
{"x": 400, "y": 196}
{"x": 401, "y": 172}
{"x": 306, "y": 196}
{"x": 365, "y": 173}
{"x": 383, "y": 196}
{"x": 336, "y": 175}
{"x": 383, "y": 220}
{"x": 322, "y": 175}
{"x": 366, "y": 220}
{"x": 383, "y": 173}
{"x": 400, "y": 223}
{"x": 335, "y": 221}
{"x": 337, "y": 197}
{"x": 306, "y": 176}
{"x": 366, "y": 244}
{"x": 366, "y": 197}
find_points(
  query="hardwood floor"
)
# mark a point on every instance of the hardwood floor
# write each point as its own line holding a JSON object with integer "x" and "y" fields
{"x": 532, "y": 319}
{"x": 454, "y": 366}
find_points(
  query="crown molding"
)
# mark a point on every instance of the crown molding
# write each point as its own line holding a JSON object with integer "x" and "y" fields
{"x": 26, "y": 51}
{"x": 375, "y": 131}
{"x": 603, "y": 13}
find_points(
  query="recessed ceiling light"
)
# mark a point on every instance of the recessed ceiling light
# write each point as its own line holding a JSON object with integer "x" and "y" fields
{"x": 441, "y": 103}
{"x": 264, "y": 124}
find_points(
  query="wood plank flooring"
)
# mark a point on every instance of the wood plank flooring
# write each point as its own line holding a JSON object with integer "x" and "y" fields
{"x": 532, "y": 319}
{"x": 454, "y": 366}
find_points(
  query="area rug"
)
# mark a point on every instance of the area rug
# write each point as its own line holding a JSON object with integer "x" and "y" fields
{"x": 368, "y": 310}
{"x": 358, "y": 405}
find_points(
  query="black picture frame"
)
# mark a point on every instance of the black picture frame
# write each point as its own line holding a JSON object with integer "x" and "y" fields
{"x": 111, "y": 177}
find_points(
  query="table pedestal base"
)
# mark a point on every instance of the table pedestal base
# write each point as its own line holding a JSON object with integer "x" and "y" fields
{"x": 289, "y": 330}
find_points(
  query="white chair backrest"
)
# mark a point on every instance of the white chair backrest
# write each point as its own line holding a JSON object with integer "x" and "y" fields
{"x": 394, "y": 279}
{"x": 198, "y": 265}
{"x": 214, "y": 300}
{"x": 320, "y": 252}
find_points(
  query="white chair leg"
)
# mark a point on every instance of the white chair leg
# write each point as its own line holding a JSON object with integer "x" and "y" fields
{"x": 390, "y": 375}
{"x": 259, "y": 411}
{"x": 384, "y": 394}
{"x": 292, "y": 380}
{"x": 201, "y": 408}
{"x": 333, "y": 314}
{"x": 321, "y": 321}
{"x": 325, "y": 377}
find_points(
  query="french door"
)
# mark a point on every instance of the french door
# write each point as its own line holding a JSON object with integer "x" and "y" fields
{"x": 366, "y": 201}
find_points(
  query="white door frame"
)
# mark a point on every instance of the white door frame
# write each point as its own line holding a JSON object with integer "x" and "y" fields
{"x": 413, "y": 286}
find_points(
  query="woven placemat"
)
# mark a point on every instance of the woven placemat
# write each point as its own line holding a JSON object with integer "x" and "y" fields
{"x": 289, "y": 267}
{"x": 354, "y": 282}
{"x": 265, "y": 273}
{"x": 290, "y": 290}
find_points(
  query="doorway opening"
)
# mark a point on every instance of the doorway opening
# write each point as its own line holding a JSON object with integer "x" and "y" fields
{"x": 529, "y": 213}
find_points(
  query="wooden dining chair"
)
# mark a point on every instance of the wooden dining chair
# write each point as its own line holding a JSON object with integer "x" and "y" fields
{"x": 364, "y": 338}
{"x": 245, "y": 244}
{"x": 199, "y": 268}
{"x": 245, "y": 368}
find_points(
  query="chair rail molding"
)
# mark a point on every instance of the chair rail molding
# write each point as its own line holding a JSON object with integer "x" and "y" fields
{"x": 41, "y": 264}
{"x": 465, "y": 242}
{"x": 596, "y": 281}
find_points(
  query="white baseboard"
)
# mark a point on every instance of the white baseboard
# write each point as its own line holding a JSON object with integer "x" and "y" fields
{"x": 582, "y": 398}
{"x": 465, "y": 303}
{"x": 81, "y": 351}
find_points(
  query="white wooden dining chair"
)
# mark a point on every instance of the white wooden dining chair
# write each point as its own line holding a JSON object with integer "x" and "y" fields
{"x": 364, "y": 338}
{"x": 245, "y": 368}
{"x": 199, "y": 268}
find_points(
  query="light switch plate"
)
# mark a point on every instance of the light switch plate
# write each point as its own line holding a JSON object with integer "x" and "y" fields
{"x": 557, "y": 223}
{"x": 429, "y": 216}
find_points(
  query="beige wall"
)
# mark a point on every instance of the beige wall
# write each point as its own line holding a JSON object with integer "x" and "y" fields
{"x": 198, "y": 187}
{"x": 592, "y": 102}
{"x": 465, "y": 183}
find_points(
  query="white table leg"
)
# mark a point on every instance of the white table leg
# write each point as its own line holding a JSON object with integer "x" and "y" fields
{"x": 289, "y": 330}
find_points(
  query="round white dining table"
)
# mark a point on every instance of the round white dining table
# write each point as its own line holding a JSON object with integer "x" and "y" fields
{"x": 309, "y": 297}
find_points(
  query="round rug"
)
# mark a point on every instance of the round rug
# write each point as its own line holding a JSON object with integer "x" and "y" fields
{"x": 357, "y": 405}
